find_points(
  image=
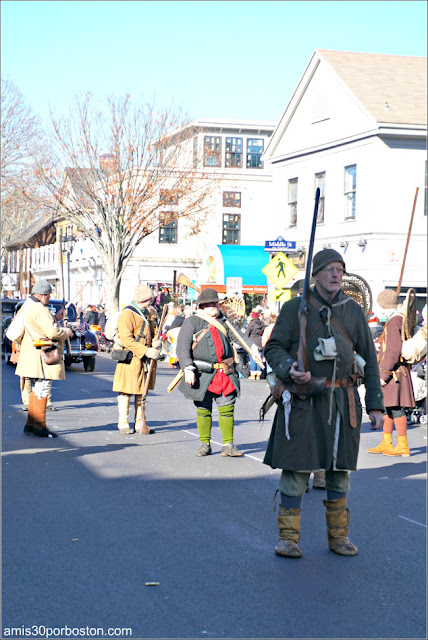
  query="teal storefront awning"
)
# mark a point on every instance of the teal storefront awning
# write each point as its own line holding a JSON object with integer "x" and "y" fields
{"x": 246, "y": 262}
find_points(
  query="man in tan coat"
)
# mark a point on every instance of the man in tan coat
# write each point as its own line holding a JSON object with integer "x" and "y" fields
{"x": 39, "y": 325}
{"x": 136, "y": 331}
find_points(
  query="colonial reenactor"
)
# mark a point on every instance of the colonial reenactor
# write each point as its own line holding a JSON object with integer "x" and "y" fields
{"x": 395, "y": 378}
{"x": 136, "y": 329}
{"x": 40, "y": 328}
{"x": 318, "y": 419}
{"x": 205, "y": 353}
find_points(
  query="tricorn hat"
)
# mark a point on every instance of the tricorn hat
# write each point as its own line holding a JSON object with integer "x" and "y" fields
{"x": 325, "y": 257}
{"x": 208, "y": 295}
{"x": 387, "y": 299}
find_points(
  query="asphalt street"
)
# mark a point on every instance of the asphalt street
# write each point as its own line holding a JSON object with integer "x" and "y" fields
{"x": 89, "y": 518}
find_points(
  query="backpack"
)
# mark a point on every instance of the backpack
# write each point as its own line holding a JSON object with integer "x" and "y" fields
{"x": 16, "y": 329}
{"x": 111, "y": 330}
{"x": 415, "y": 348}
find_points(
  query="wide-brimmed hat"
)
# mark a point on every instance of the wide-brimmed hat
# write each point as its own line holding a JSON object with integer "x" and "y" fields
{"x": 208, "y": 295}
{"x": 325, "y": 257}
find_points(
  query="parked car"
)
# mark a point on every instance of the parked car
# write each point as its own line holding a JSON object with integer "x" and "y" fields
{"x": 7, "y": 312}
{"x": 83, "y": 343}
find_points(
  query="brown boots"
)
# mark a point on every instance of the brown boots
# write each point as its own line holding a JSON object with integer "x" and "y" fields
{"x": 289, "y": 533}
{"x": 337, "y": 516}
{"x": 36, "y": 419}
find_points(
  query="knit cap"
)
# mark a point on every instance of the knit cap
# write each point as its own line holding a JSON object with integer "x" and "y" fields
{"x": 142, "y": 293}
{"x": 325, "y": 257}
{"x": 387, "y": 299}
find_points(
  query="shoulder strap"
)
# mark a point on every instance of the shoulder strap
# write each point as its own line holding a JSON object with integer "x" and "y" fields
{"x": 210, "y": 320}
{"x": 339, "y": 326}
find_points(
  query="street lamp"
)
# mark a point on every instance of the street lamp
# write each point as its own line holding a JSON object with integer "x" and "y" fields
{"x": 66, "y": 247}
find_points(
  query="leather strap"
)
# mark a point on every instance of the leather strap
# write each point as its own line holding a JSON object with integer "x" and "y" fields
{"x": 352, "y": 407}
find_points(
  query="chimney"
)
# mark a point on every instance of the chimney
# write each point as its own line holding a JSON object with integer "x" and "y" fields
{"x": 107, "y": 162}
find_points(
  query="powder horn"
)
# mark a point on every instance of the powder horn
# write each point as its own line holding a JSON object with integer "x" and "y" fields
{"x": 184, "y": 280}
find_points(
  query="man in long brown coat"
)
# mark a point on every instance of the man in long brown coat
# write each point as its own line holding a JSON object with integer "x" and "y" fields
{"x": 321, "y": 432}
{"x": 40, "y": 325}
{"x": 395, "y": 379}
{"x": 136, "y": 331}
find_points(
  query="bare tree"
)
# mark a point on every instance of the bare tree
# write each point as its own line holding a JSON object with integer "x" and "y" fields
{"x": 20, "y": 144}
{"x": 115, "y": 168}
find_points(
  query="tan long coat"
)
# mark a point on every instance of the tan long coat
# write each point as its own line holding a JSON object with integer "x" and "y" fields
{"x": 39, "y": 325}
{"x": 130, "y": 378}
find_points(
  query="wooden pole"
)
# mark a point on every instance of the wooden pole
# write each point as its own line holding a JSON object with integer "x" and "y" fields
{"x": 407, "y": 242}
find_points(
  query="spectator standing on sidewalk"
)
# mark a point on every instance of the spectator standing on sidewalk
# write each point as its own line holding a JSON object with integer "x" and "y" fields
{"x": 254, "y": 331}
{"x": 40, "y": 325}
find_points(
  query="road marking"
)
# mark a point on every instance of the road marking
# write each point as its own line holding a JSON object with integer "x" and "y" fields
{"x": 220, "y": 444}
{"x": 414, "y": 521}
{"x": 85, "y": 391}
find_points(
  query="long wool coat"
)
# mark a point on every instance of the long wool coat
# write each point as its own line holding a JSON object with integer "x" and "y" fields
{"x": 399, "y": 389}
{"x": 315, "y": 443}
{"x": 204, "y": 350}
{"x": 131, "y": 378}
{"x": 39, "y": 325}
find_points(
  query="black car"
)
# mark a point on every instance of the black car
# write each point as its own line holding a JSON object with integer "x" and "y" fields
{"x": 83, "y": 343}
{"x": 7, "y": 312}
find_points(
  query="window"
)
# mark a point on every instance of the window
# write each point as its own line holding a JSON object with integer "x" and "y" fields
{"x": 350, "y": 191}
{"x": 292, "y": 202}
{"x": 212, "y": 151}
{"x": 231, "y": 228}
{"x": 320, "y": 182}
{"x": 233, "y": 152}
{"x": 168, "y": 227}
{"x": 232, "y": 199}
{"x": 254, "y": 153}
{"x": 195, "y": 151}
{"x": 169, "y": 196}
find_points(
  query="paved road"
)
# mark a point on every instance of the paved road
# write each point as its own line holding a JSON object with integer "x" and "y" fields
{"x": 92, "y": 516}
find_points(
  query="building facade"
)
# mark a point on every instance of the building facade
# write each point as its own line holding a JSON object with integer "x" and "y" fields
{"x": 356, "y": 127}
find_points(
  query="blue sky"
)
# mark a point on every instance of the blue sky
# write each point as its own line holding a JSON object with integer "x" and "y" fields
{"x": 240, "y": 60}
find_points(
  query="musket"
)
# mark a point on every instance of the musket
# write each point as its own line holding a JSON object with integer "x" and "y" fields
{"x": 144, "y": 428}
{"x": 302, "y": 356}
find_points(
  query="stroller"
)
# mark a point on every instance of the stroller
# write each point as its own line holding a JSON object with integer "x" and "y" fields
{"x": 419, "y": 414}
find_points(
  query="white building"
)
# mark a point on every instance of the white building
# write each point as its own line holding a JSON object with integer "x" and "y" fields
{"x": 229, "y": 151}
{"x": 356, "y": 127}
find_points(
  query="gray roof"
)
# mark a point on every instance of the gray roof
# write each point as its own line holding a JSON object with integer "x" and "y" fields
{"x": 33, "y": 229}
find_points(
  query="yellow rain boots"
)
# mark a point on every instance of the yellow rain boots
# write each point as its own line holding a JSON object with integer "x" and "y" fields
{"x": 385, "y": 445}
{"x": 402, "y": 448}
{"x": 289, "y": 533}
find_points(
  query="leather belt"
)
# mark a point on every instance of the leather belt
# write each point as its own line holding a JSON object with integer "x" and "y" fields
{"x": 220, "y": 365}
{"x": 348, "y": 384}
{"x": 342, "y": 382}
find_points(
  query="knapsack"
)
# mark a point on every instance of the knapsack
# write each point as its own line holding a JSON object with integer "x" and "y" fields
{"x": 16, "y": 329}
{"x": 415, "y": 348}
{"x": 111, "y": 330}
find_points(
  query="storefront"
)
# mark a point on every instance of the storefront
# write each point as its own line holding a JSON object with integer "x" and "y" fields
{"x": 231, "y": 261}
